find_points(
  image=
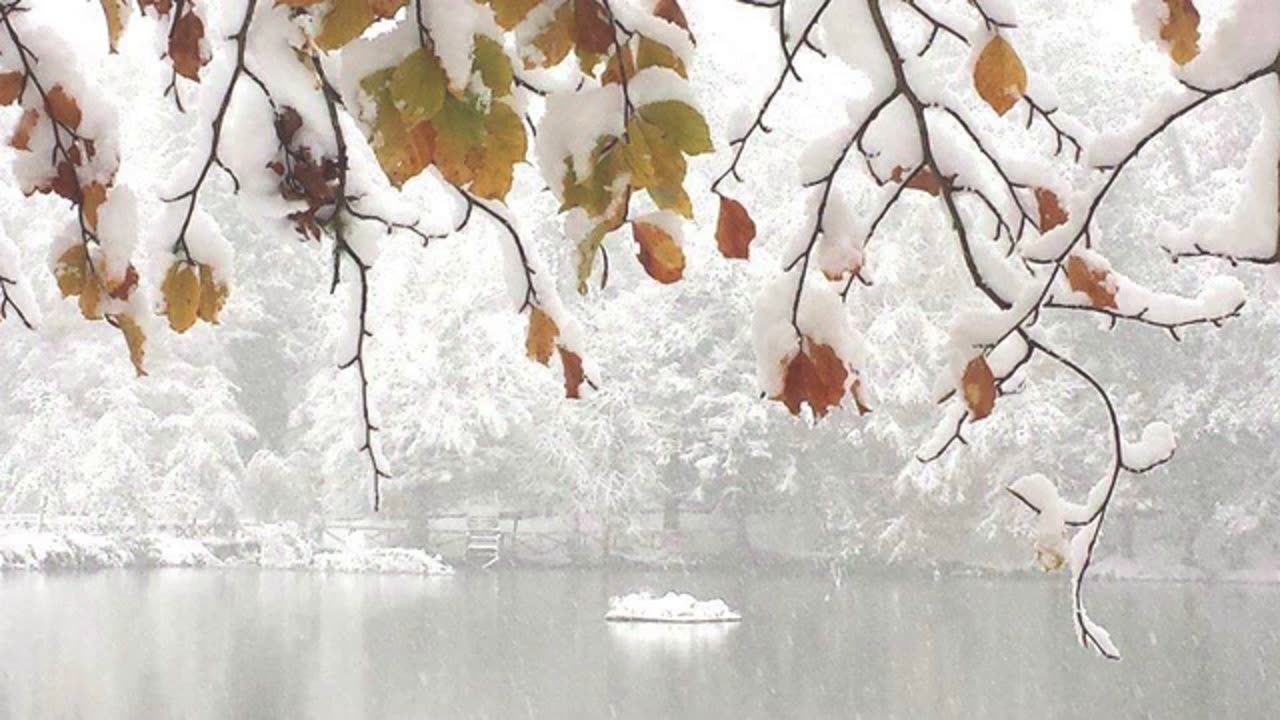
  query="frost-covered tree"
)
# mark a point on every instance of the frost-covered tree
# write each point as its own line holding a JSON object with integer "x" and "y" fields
{"x": 335, "y": 120}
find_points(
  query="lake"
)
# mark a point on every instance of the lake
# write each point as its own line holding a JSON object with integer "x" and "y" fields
{"x": 531, "y": 644}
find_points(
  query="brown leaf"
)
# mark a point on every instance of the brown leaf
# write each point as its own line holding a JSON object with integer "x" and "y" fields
{"x": 999, "y": 76}
{"x": 979, "y": 388}
{"x": 541, "y": 341}
{"x": 91, "y": 298}
{"x": 670, "y": 11}
{"x": 135, "y": 339}
{"x": 1091, "y": 281}
{"x": 923, "y": 179}
{"x": 1051, "y": 212}
{"x": 162, "y": 7}
{"x": 21, "y": 139}
{"x": 734, "y": 229}
{"x": 65, "y": 184}
{"x": 1181, "y": 30}
{"x": 659, "y": 253}
{"x": 63, "y": 108}
{"x": 615, "y": 72}
{"x": 573, "y": 376}
{"x": 124, "y": 288}
{"x": 184, "y": 46}
{"x": 592, "y": 31}
{"x": 10, "y": 87}
{"x": 816, "y": 375}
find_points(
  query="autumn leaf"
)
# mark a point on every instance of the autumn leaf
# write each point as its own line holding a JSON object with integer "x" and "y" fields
{"x": 135, "y": 339}
{"x": 493, "y": 162}
{"x": 386, "y": 8}
{"x": 734, "y": 229}
{"x": 670, "y": 11}
{"x": 680, "y": 122}
{"x": 417, "y": 86}
{"x": 814, "y": 374}
{"x": 1051, "y": 212}
{"x": 91, "y": 297}
{"x": 555, "y": 40}
{"x": 460, "y": 127}
{"x": 922, "y": 179}
{"x": 494, "y": 66}
{"x": 10, "y": 87}
{"x": 184, "y": 45}
{"x": 650, "y": 53}
{"x": 659, "y": 253}
{"x": 573, "y": 375}
{"x": 91, "y": 197}
{"x": 979, "y": 386}
{"x": 71, "y": 269}
{"x": 116, "y": 13}
{"x": 21, "y": 139}
{"x": 616, "y": 71}
{"x": 592, "y": 31}
{"x": 669, "y": 166}
{"x": 1181, "y": 30}
{"x": 213, "y": 295}
{"x": 541, "y": 341}
{"x": 63, "y": 108}
{"x": 1091, "y": 281}
{"x": 509, "y": 13}
{"x": 344, "y": 23}
{"x": 121, "y": 289}
{"x": 999, "y": 76}
{"x": 181, "y": 291}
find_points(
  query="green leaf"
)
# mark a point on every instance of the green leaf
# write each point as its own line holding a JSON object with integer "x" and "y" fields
{"x": 669, "y": 169}
{"x": 494, "y": 66}
{"x": 418, "y": 86}
{"x": 654, "y": 54}
{"x": 682, "y": 124}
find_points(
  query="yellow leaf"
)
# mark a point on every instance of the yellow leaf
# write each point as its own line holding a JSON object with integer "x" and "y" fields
{"x": 639, "y": 157}
{"x": 659, "y": 253}
{"x": 135, "y": 339}
{"x": 1181, "y": 30}
{"x": 667, "y": 189}
{"x": 181, "y": 291}
{"x": 493, "y": 163}
{"x": 999, "y": 76}
{"x": 71, "y": 269}
{"x": 117, "y": 13}
{"x": 541, "y": 341}
{"x": 213, "y": 295}
{"x": 344, "y": 23}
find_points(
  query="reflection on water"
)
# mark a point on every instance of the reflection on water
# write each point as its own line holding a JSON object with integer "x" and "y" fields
{"x": 250, "y": 644}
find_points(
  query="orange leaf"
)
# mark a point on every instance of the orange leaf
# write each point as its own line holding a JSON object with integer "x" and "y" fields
{"x": 999, "y": 76}
{"x": 815, "y": 375}
{"x": 1181, "y": 30}
{"x": 123, "y": 289}
{"x": 21, "y": 139}
{"x": 573, "y": 376}
{"x": 659, "y": 253}
{"x": 1051, "y": 213}
{"x": 979, "y": 387}
{"x": 184, "y": 46}
{"x": 92, "y": 197}
{"x": 734, "y": 229}
{"x": 1091, "y": 281}
{"x": 541, "y": 340}
{"x": 63, "y": 108}
{"x": 10, "y": 87}
{"x": 592, "y": 30}
{"x": 134, "y": 338}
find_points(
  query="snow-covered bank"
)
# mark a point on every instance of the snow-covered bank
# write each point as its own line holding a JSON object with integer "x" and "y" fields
{"x": 670, "y": 608}
{"x": 268, "y": 546}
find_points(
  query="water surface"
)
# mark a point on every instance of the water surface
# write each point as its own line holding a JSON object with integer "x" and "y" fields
{"x": 517, "y": 644}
